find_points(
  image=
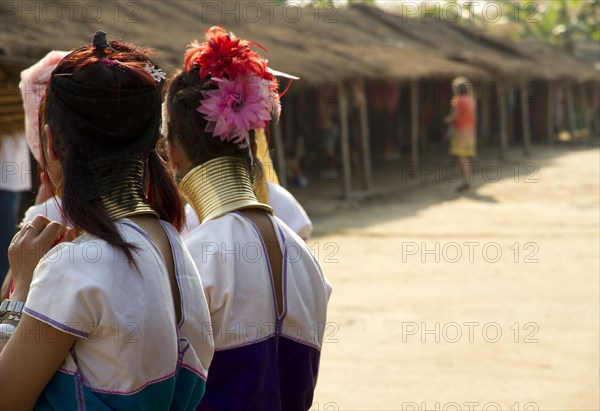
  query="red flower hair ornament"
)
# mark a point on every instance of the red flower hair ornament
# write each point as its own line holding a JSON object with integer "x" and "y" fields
{"x": 246, "y": 97}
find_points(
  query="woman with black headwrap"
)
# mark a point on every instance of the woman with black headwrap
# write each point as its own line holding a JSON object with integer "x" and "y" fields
{"x": 113, "y": 315}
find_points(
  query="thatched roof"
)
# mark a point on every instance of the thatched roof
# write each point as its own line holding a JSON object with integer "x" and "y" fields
{"x": 562, "y": 65}
{"x": 502, "y": 58}
{"x": 317, "y": 45}
{"x": 589, "y": 51}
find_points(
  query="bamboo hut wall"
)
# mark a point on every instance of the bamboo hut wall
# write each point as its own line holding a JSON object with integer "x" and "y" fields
{"x": 11, "y": 105}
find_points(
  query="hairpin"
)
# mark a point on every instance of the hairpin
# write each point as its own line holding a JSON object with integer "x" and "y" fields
{"x": 109, "y": 62}
{"x": 156, "y": 73}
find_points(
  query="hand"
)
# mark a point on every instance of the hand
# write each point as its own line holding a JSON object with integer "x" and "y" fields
{"x": 27, "y": 248}
{"x": 5, "y": 290}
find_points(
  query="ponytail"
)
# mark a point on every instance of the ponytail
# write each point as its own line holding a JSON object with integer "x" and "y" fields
{"x": 92, "y": 217}
{"x": 163, "y": 194}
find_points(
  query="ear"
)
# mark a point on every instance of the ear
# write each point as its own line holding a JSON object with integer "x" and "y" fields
{"x": 50, "y": 144}
{"x": 177, "y": 159}
{"x": 253, "y": 145}
{"x": 173, "y": 154}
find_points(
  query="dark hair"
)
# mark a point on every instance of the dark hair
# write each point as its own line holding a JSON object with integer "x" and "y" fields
{"x": 82, "y": 66}
{"x": 186, "y": 125}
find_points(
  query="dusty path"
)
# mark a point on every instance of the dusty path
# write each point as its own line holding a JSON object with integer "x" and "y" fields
{"x": 486, "y": 301}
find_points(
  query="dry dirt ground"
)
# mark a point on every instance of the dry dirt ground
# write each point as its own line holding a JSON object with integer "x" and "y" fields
{"x": 484, "y": 301}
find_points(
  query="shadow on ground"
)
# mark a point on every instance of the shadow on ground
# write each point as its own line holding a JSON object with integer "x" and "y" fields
{"x": 399, "y": 185}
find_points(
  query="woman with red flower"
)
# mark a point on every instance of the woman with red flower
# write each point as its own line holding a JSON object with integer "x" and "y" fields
{"x": 266, "y": 293}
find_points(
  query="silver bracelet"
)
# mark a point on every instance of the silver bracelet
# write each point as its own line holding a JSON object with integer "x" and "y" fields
{"x": 10, "y": 310}
{"x": 6, "y": 330}
{"x": 13, "y": 306}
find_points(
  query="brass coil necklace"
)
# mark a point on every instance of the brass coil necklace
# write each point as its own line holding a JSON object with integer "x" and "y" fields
{"x": 218, "y": 187}
{"x": 122, "y": 191}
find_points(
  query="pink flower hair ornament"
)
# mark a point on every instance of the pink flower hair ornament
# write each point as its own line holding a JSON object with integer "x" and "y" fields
{"x": 246, "y": 97}
{"x": 238, "y": 106}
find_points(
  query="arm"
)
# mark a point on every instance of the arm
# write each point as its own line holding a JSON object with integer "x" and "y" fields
{"x": 30, "y": 356}
{"x": 5, "y": 290}
{"x": 29, "y": 360}
{"x": 452, "y": 116}
{"x": 44, "y": 193}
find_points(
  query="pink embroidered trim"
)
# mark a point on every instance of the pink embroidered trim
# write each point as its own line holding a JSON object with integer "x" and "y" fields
{"x": 192, "y": 369}
{"x": 299, "y": 341}
{"x": 166, "y": 377}
{"x": 244, "y": 344}
{"x": 195, "y": 371}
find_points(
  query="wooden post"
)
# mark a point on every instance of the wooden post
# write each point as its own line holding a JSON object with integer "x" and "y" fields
{"x": 485, "y": 116}
{"x": 585, "y": 112}
{"x": 414, "y": 123}
{"x": 593, "y": 112}
{"x": 280, "y": 153}
{"x": 551, "y": 112}
{"x": 525, "y": 117}
{"x": 503, "y": 121}
{"x": 345, "y": 139}
{"x": 364, "y": 134}
{"x": 571, "y": 111}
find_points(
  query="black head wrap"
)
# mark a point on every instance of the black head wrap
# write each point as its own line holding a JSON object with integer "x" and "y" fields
{"x": 99, "y": 41}
{"x": 100, "y": 125}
